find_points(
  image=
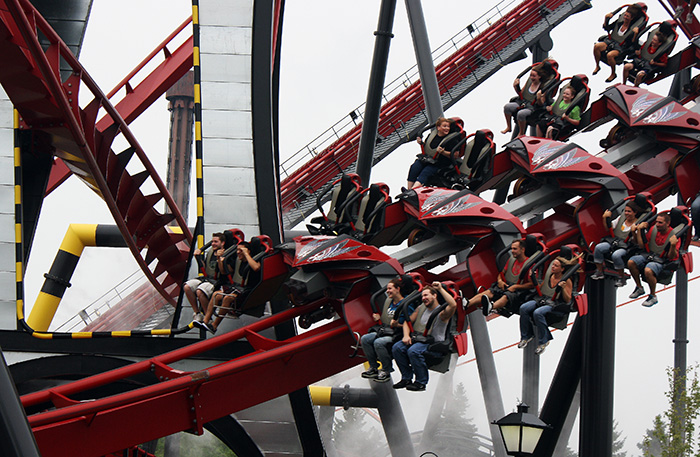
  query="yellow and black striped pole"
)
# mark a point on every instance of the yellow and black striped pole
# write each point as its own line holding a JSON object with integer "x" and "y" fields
{"x": 198, "y": 124}
{"x": 19, "y": 251}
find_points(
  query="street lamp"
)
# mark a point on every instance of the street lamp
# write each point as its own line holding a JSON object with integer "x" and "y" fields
{"x": 521, "y": 431}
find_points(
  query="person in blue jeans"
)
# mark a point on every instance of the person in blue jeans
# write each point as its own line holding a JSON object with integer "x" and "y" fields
{"x": 438, "y": 147}
{"x": 376, "y": 345}
{"x": 622, "y": 231}
{"x": 536, "y": 310}
{"x": 410, "y": 355}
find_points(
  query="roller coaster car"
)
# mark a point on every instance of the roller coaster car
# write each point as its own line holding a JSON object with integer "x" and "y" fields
{"x": 371, "y": 206}
{"x": 563, "y": 129}
{"x": 563, "y": 165}
{"x": 639, "y": 23}
{"x": 470, "y": 171}
{"x": 661, "y": 116}
{"x": 558, "y": 317}
{"x": 330, "y": 266}
{"x": 344, "y": 194}
{"x": 668, "y": 29}
{"x": 535, "y": 250}
{"x": 464, "y": 213}
{"x": 680, "y": 227}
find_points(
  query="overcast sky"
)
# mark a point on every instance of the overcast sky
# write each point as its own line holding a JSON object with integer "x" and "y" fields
{"x": 327, "y": 52}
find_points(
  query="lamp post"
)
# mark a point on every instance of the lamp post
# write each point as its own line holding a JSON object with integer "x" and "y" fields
{"x": 521, "y": 431}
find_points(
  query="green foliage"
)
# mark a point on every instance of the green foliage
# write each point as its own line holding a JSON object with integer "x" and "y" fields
{"x": 456, "y": 435}
{"x": 618, "y": 442}
{"x": 673, "y": 432}
{"x": 353, "y": 438}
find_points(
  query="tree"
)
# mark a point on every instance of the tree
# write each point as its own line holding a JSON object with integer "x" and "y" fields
{"x": 618, "y": 442}
{"x": 673, "y": 432}
{"x": 353, "y": 438}
{"x": 457, "y": 434}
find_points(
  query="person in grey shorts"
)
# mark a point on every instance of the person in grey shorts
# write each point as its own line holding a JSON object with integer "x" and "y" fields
{"x": 199, "y": 290}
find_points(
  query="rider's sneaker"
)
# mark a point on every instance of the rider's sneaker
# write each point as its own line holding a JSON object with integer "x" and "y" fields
{"x": 651, "y": 301}
{"x": 637, "y": 292}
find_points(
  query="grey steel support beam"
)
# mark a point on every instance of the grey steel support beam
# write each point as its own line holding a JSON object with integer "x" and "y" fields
{"x": 382, "y": 397}
{"x": 368, "y": 137}
{"x": 568, "y": 427}
{"x": 680, "y": 342}
{"x": 598, "y": 375}
{"x": 393, "y": 420}
{"x": 325, "y": 425}
{"x": 556, "y": 408}
{"x": 488, "y": 377}
{"x": 16, "y": 436}
{"x": 444, "y": 391}
{"x": 424, "y": 59}
{"x": 531, "y": 377}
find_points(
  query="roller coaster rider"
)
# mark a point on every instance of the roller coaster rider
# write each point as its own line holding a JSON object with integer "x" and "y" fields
{"x": 508, "y": 287}
{"x": 436, "y": 152}
{"x": 652, "y": 263}
{"x": 199, "y": 290}
{"x": 554, "y": 291}
{"x": 410, "y": 352}
{"x": 617, "y": 244}
{"x": 376, "y": 344}
{"x": 621, "y": 39}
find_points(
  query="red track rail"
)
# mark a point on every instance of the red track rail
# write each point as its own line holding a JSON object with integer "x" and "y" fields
{"x": 186, "y": 401}
{"x": 31, "y": 78}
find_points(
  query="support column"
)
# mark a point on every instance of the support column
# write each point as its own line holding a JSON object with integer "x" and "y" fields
{"x": 597, "y": 380}
{"x": 488, "y": 377}
{"x": 424, "y": 59}
{"x": 368, "y": 137}
{"x": 531, "y": 377}
{"x": 556, "y": 408}
{"x": 680, "y": 342}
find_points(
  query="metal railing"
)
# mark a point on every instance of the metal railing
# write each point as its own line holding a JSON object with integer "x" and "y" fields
{"x": 104, "y": 303}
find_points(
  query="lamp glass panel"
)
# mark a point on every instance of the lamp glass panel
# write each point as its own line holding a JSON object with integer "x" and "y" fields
{"x": 511, "y": 437}
{"x": 531, "y": 436}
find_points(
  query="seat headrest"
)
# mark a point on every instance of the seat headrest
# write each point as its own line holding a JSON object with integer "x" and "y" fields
{"x": 642, "y": 202}
{"x": 566, "y": 252}
{"x": 255, "y": 246}
{"x": 677, "y": 217}
{"x": 577, "y": 83}
{"x": 667, "y": 29}
{"x": 480, "y": 140}
{"x": 531, "y": 245}
{"x": 408, "y": 285}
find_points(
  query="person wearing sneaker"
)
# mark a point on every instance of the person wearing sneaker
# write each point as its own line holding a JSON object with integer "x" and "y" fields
{"x": 652, "y": 262}
{"x": 507, "y": 281}
{"x": 377, "y": 344}
{"x": 232, "y": 293}
{"x": 616, "y": 244}
{"x": 410, "y": 355}
{"x": 199, "y": 290}
{"x": 553, "y": 291}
